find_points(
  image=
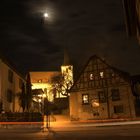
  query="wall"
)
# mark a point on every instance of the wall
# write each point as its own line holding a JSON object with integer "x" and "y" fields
{"x": 85, "y": 112}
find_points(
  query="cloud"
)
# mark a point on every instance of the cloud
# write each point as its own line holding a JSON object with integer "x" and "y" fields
{"x": 84, "y": 27}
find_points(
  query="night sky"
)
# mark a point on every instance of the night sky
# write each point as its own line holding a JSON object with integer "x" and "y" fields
{"x": 83, "y": 27}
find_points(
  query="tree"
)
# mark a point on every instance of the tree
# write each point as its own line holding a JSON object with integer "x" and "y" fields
{"x": 25, "y": 96}
{"x": 59, "y": 85}
{"x": 28, "y": 92}
{"x": 22, "y": 98}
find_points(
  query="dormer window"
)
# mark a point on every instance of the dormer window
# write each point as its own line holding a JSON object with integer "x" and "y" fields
{"x": 102, "y": 74}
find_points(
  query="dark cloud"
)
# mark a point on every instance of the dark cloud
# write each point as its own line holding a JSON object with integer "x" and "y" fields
{"x": 84, "y": 27}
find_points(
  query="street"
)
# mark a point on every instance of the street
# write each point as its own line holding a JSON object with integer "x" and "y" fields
{"x": 129, "y": 132}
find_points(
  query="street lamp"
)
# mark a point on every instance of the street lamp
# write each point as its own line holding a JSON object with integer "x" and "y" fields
{"x": 39, "y": 105}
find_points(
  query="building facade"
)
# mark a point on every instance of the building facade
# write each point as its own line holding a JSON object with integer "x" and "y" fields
{"x": 101, "y": 92}
{"x": 43, "y": 80}
{"x": 10, "y": 88}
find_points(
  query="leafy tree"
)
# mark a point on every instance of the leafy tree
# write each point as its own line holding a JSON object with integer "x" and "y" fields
{"x": 28, "y": 92}
{"x": 25, "y": 97}
{"x": 60, "y": 86}
{"x": 22, "y": 98}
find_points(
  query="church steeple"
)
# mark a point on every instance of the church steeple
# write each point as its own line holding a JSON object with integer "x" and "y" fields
{"x": 67, "y": 73}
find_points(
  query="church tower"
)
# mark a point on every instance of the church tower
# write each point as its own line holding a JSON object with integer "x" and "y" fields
{"x": 67, "y": 73}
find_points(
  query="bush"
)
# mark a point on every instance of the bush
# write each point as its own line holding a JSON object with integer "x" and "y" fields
{"x": 21, "y": 117}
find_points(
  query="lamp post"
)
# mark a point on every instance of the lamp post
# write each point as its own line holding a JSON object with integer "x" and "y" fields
{"x": 39, "y": 105}
{"x": 46, "y": 117}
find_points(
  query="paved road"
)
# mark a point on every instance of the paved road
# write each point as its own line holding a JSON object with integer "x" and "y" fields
{"x": 128, "y": 132}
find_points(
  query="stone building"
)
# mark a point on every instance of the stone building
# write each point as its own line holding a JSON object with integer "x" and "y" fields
{"x": 101, "y": 92}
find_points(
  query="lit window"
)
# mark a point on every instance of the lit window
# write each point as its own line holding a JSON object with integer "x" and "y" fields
{"x": 85, "y": 98}
{"x": 95, "y": 103}
{"x": 40, "y": 81}
{"x": 91, "y": 76}
{"x": 102, "y": 74}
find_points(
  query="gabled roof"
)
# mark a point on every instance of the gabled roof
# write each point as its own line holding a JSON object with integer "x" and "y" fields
{"x": 125, "y": 75}
{"x": 9, "y": 64}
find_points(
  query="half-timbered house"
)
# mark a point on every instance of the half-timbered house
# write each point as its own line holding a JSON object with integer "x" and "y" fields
{"x": 100, "y": 92}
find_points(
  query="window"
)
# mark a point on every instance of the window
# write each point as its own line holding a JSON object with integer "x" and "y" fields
{"x": 102, "y": 97}
{"x": 115, "y": 94}
{"x": 85, "y": 99}
{"x": 10, "y": 76}
{"x": 40, "y": 81}
{"x": 9, "y": 95}
{"x": 91, "y": 76}
{"x": 102, "y": 74}
{"x": 118, "y": 109}
{"x": 95, "y": 103}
